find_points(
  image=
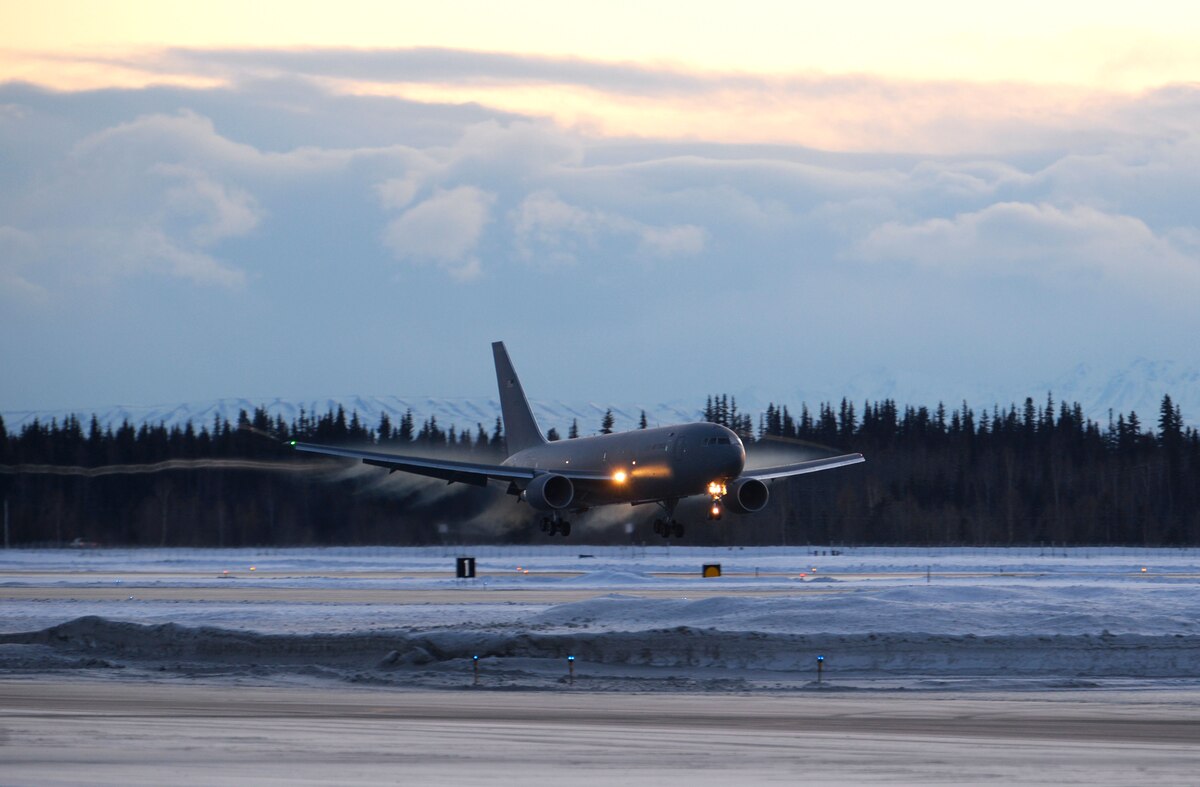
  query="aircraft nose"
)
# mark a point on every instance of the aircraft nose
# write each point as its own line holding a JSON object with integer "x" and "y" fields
{"x": 735, "y": 460}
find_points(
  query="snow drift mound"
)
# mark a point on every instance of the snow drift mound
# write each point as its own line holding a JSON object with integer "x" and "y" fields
{"x": 669, "y": 653}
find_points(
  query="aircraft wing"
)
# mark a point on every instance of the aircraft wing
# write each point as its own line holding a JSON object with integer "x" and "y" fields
{"x": 475, "y": 473}
{"x": 800, "y": 468}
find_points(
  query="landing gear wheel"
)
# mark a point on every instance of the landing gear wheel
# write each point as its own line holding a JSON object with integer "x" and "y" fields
{"x": 658, "y": 527}
{"x": 545, "y": 525}
{"x": 677, "y": 529}
{"x": 565, "y": 528}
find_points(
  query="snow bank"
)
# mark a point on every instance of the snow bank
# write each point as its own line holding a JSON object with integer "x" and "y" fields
{"x": 677, "y": 652}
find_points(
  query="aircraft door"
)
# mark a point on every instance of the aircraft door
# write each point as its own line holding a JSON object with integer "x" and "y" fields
{"x": 680, "y": 448}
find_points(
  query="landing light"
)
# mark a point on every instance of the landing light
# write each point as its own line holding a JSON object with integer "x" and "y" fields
{"x": 716, "y": 489}
{"x": 620, "y": 476}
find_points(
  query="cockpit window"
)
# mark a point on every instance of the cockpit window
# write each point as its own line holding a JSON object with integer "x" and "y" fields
{"x": 717, "y": 441}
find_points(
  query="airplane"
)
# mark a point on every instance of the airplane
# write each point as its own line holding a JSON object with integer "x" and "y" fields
{"x": 658, "y": 466}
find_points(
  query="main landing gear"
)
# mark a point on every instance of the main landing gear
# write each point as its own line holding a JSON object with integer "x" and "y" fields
{"x": 556, "y": 526}
{"x": 667, "y": 526}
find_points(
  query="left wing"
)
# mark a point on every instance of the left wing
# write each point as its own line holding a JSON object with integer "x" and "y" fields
{"x": 800, "y": 468}
{"x": 447, "y": 469}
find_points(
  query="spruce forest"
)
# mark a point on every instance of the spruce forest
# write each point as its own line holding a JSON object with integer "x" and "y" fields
{"x": 1038, "y": 473}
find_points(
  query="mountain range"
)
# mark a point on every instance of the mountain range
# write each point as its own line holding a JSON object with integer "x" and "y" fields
{"x": 1139, "y": 387}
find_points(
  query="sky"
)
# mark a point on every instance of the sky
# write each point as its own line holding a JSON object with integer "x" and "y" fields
{"x": 646, "y": 201}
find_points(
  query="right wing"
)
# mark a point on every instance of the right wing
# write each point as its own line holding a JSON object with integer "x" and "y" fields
{"x": 800, "y": 468}
{"x": 446, "y": 469}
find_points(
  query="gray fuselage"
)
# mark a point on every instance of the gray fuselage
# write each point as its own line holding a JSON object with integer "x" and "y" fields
{"x": 664, "y": 463}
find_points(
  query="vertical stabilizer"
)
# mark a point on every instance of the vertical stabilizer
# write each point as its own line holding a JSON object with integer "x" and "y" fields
{"x": 520, "y": 429}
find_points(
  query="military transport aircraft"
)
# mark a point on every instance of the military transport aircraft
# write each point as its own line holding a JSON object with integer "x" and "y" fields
{"x": 661, "y": 465}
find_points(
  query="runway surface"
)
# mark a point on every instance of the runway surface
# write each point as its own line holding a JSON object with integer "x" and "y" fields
{"x": 333, "y": 666}
{"x": 116, "y": 732}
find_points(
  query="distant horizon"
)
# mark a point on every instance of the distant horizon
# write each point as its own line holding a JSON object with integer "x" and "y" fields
{"x": 551, "y": 408}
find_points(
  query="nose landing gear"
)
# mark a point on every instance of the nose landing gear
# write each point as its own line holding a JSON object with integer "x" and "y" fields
{"x": 716, "y": 490}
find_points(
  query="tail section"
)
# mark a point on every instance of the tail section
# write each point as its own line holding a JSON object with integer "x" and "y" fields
{"x": 520, "y": 428}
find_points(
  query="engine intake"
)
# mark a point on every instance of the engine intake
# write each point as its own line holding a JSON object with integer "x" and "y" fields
{"x": 746, "y": 496}
{"x": 550, "y": 492}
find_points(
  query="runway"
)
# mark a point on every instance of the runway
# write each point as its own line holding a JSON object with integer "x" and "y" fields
{"x": 476, "y": 593}
{"x": 359, "y": 666}
{"x": 114, "y": 732}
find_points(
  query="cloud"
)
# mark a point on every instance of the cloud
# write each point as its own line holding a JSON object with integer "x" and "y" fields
{"x": 681, "y": 240}
{"x": 1069, "y": 244}
{"x": 304, "y": 198}
{"x": 833, "y": 111}
{"x": 222, "y": 211}
{"x": 444, "y": 229}
{"x": 149, "y": 248}
{"x": 153, "y": 195}
{"x": 431, "y": 64}
{"x": 398, "y": 193}
{"x": 550, "y": 231}
{"x": 12, "y": 112}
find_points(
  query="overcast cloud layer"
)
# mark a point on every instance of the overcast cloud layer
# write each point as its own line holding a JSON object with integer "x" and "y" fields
{"x": 277, "y": 236}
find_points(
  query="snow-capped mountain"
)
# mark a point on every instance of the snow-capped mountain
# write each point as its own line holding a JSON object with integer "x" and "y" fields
{"x": 1138, "y": 387}
{"x": 459, "y": 413}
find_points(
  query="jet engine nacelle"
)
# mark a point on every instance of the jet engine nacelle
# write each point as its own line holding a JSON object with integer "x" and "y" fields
{"x": 746, "y": 496}
{"x": 550, "y": 492}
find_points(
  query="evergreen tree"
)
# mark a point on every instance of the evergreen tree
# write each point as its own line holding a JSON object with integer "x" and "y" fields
{"x": 606, "y": 425}
{"x": 1170, "y": 423}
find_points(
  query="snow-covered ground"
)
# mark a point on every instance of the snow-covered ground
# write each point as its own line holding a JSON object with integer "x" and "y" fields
{"x": 632, "y": 617}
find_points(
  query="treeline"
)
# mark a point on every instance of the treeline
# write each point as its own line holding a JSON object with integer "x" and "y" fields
{"x": 1037, "y": 473}
{"x": 1034, "y": 474}
{"x": 225, "y": 484}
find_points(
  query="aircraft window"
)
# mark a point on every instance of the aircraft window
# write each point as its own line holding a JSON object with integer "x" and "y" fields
{"x": 723, "y": 440}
